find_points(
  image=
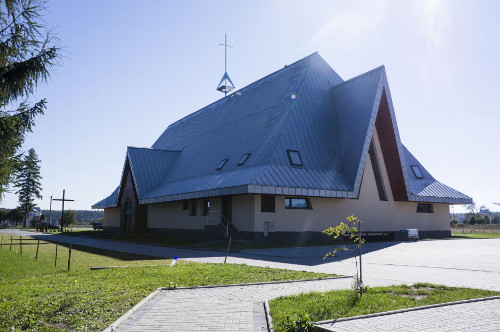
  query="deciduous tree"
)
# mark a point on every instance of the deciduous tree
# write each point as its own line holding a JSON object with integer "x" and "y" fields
{"x": 69, "y": 218}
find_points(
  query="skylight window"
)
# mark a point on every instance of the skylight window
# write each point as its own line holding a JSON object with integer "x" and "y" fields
{"x": 417, "y": 171}
{"x": 222, "y": 163}
{"x": 244, "y": 159}
{"x": 295, "y": 159}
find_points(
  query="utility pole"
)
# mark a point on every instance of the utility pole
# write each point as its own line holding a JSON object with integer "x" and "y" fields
{"x": 63, "y": 199}
{"x": 50, "y": 210}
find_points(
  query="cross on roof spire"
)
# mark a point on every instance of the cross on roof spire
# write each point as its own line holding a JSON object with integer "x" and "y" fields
{"x": 225, "y": 84}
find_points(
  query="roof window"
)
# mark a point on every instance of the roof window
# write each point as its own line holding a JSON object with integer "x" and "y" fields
{"x": 417, "y": 172}
{"x": 295, "y": 159}
{"x": 222, "y": 163}
{"x": 244, "y": 159}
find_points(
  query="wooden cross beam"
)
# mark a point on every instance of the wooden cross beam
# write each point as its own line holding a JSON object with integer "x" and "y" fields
{"x": 63, "y": 199}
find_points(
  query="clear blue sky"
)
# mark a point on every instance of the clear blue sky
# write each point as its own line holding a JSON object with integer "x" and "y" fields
{"x": 134, "y": 67}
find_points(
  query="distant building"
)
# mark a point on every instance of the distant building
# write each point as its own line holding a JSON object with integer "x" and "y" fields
{"x": 34, "y": 216}
{"x": 485, "y": 212}
{"x": 283, "y": 158}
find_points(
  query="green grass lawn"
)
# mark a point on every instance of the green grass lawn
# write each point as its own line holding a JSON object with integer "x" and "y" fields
{"x": 36, "y": 295}
{"x": 342, "y": 303}
{"x": 475, "y": 235}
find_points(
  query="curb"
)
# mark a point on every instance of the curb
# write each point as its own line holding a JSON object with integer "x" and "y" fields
{"x": 129, "y": 313}
{"x": 393, "y": 312}
{"x": 268, "y": 316}
{"x": 255, "y": 283}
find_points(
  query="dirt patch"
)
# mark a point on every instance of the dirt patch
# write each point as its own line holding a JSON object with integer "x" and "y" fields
{"x": 417, "y": 293}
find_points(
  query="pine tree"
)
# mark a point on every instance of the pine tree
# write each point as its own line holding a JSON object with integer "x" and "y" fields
{"x": 27, "y": 51}
{"x": 28, "y": 182}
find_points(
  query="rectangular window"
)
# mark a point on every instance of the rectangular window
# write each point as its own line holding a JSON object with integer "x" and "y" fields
{"x": 222, "y": 163}
{"x": 185, "y": 205}
{"x": 206, "y": 206}
{"x": 297, "y": 203}
{"x": 295, "y": 159}
{"x": 244, "y": 159}
{"x": 417, "y": 172}
{"x": 193, "y": 208}
{"x": 425, "y": 208}
{"x": 267, "y": 203}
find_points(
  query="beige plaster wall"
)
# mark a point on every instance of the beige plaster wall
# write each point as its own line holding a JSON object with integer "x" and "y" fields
{"x": 112, "y": 217}
{"x": 377, "y": 215}
{"x": 171, "y": 215}
{"x": 244, "y": 212}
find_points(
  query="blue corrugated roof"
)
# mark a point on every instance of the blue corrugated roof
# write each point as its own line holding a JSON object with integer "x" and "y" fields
{"x": 305, "y": 107}
{"x": 427, "y": 188}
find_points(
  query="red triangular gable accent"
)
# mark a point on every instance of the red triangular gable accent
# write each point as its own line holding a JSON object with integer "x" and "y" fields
{"x": 127, "y": 184}
{"x": 388, "y": 144}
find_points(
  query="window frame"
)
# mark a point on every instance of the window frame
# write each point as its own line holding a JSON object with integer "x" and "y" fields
{"x": 290, "y": 158}
{"x": 417, "y": 171}
{"x": 425, "y": 208}
{"x": 222, "y": 164}
{"x": 192, "y": 210}
{"x": 206, "y": 207}
{"x": 268, "y": 204}
{"x": 185, "y": 205}
{"x": 244, "y": 159}
{"x": 291, "y": 207}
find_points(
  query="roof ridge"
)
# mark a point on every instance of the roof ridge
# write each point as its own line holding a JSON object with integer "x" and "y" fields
{"x": 153, "y": 149}
{"x": 245, "y": 87}
{"x": 359, "y": 76}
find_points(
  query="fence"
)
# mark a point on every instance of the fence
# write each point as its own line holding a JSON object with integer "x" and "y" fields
{"x": 27, "y": 241}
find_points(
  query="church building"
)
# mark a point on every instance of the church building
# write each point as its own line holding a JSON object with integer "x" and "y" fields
{"x": 283, "y": 159}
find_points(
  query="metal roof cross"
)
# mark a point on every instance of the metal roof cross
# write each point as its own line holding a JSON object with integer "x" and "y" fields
{"x": 228, "y": 84}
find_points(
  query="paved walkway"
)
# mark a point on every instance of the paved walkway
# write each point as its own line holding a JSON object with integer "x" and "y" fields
{"x": 233, "y": 308}
{"x": 476, "y": 316}
{"x": 459, "y": 263}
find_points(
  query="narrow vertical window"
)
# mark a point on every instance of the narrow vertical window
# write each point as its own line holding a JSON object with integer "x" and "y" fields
{"x": 206, "y": 206}
{"x": 185, "y": 205}
{"x": 193, "y": 208}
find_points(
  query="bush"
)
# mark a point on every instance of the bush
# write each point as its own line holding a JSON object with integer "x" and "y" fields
{"x": 302, "y": 323}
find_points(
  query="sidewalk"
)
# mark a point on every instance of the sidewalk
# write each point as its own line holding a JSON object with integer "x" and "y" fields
{"x": 235, "y": 308}
{"x": 481, "y": 316}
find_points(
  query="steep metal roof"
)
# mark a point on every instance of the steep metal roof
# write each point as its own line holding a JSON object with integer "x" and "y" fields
{"x": 304, "y": 107}
{"x": 428, "y": 189}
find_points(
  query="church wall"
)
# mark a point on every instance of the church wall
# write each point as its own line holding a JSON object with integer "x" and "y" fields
{"x": 112, "y": 218}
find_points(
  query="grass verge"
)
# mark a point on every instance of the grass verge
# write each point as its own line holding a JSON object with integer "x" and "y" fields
{"x": 475, "y": 235}
{"x": 342, "y": 303}
{"x": 38, "y": 296}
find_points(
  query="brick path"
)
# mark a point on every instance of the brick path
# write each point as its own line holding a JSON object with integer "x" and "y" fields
{"x": 234, "y": 308}
{"x": 481, "y": 316}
